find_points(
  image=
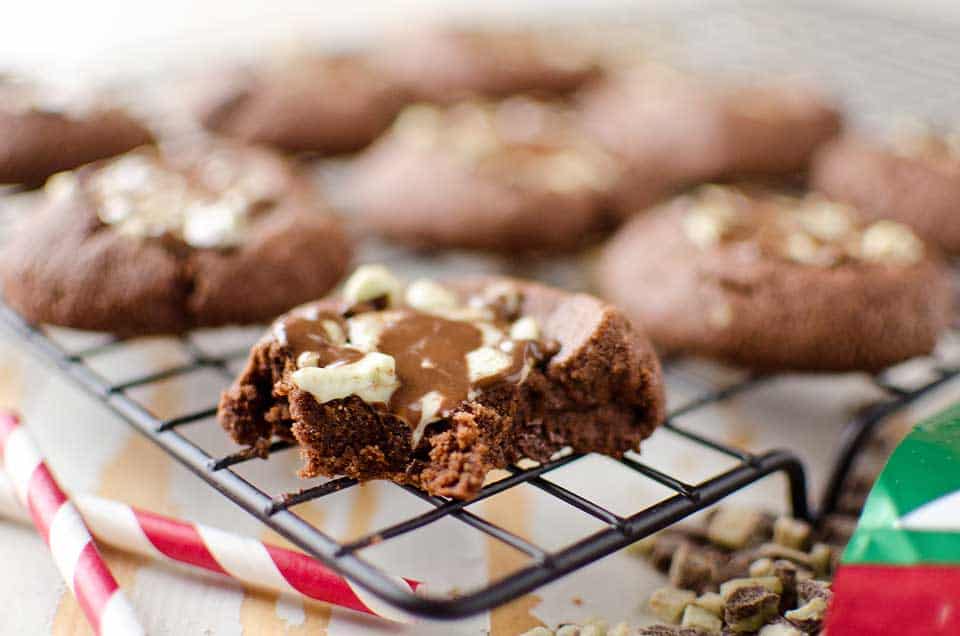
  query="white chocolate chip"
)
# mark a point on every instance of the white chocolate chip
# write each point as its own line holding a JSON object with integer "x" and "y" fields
{"x": 373, "y": 379}
{"x": 572, "y": 172}
{"x": 114, "y": 210}
{"x": 720, "y": 316}
{"x": 825, "y": 220}
{"x": 890, "y": 242}
{"x": 419, "y": 125}
{"x": 429, "y": 412}
{"x": 141, "y": 196}
{"x": 363, "y": 330}
{"x": 61, "y": 186}
{"x": 706, "y": 224}
{"x": 525, "y": 328}
{"x": 369, "y": 282}
{"x": 503, "y": 294}
{"x": 128, "y": 174}
{"x": 334, "y": 332}
{"x": 486, "y": 362}
{"x": 430, "y": 297}
{"x": 473, "y": 138}
{"x": 803, "y": 249}
{"x": 308, "y": 359}
{"x": 491, "y": 335}
{"x": 221, "y": 223}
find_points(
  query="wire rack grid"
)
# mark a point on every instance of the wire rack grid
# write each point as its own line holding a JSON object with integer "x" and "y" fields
{"x": 274, "y": 509}
{"x": 617, "y": 531}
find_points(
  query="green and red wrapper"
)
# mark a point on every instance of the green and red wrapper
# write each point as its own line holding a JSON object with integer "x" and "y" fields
{"x": 900, "y": 573}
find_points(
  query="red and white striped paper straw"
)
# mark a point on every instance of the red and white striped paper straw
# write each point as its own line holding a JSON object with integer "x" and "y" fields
{"x": 60, "y": 525}
{"x": 247, "y": 560}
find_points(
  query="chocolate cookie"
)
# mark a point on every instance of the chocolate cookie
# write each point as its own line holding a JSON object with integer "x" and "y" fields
{"x": 160, "y": 243}
{"x": 674, "y": 130}
{"x": 508, "y": 176}
{"x": 915, "y": 180}
{"x": 325, "y": 105}
{"x": 777, "y": 283}
{"x": 40, "y": 136}
{"x": 436, "y": 384}
{"x": 446, "y": 65}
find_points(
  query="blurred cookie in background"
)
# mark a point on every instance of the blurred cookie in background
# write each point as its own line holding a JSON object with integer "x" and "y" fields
{"x": 774, "y": 282}
{"x": 913, "y": 178}
{"x": 673, "y": 129}
{"x": 161, "y": 241}
{"x": 511, "y": 176}
{"x": 43, "y": 132}
{"x": 303, "y": 103}
{"x": 445, "y": 64}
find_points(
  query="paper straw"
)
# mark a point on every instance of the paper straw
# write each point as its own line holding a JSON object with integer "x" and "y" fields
{"x": 58, "y": 522}
{"x": 252, "y": 562}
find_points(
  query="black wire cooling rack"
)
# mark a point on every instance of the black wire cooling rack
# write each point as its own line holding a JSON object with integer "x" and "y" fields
{"x": 274, "y": 509}
{"x": 887, "y": 65}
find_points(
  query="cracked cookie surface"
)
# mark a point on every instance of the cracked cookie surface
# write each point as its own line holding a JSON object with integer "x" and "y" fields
{"x": 775, "y": 282}
{"x": 154, "y": 242}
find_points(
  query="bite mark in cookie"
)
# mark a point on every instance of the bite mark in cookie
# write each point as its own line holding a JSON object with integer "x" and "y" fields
{"x": 437, "y": 393}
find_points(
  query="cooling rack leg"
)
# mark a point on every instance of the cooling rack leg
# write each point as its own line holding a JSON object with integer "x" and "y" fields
{"x": 856, "y": 433}
{"x": 797, "y": 478}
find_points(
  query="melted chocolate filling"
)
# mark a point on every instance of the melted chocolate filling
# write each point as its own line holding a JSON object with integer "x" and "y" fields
{"x": 430, "y": 354}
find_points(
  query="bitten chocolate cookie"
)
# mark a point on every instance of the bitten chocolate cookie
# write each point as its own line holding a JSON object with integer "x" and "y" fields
{"x": 161, "y": 243}
{"x": 507, "y": 176}
{"x": 915, "y": 180}
{"x": 446, "y": 65}
{"x": 673, "y": 130}
{"x": 435, "y": 384}
{"x": 324, "y": 105}
{"x": 40, "y": 136}
{"x": 777, "y": 283}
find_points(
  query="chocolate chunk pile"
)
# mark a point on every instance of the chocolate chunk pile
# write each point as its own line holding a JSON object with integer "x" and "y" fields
{"x": 596, "y": 627}
{"x": 743, "y": 572}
